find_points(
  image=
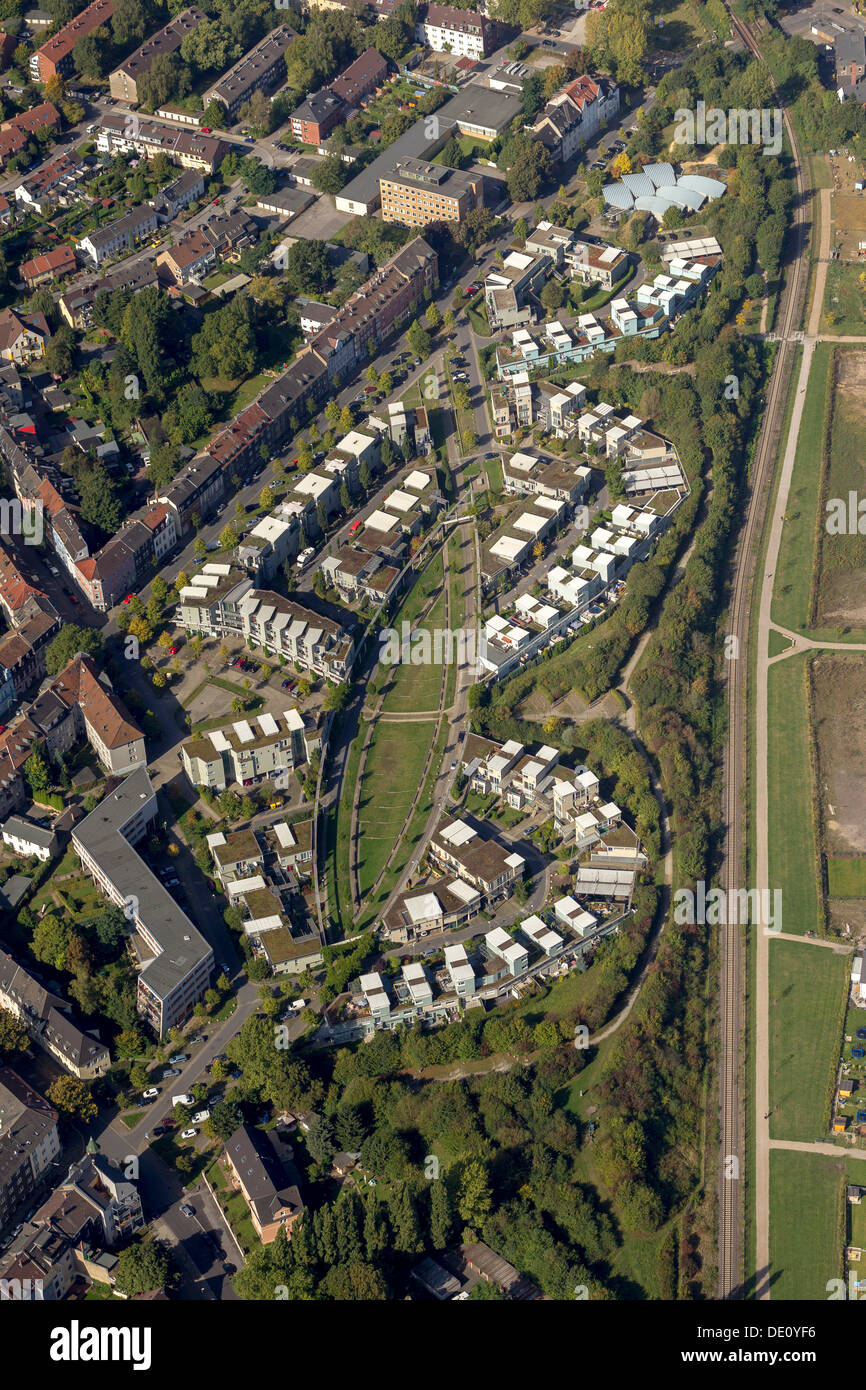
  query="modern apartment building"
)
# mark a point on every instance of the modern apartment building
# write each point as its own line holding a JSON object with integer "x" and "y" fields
{"x": 476, "y": 857}
{"x": 29, "y": 1142}
{"x": 417, "y": 192}
{"x": 123, "y": 81}
{"x": 221, "y": 601}
{"x": 175, "y": 961}
{"x": 263, "y": 69}
{"x": 249, "y": 751}
{"x": 54, "y": 58}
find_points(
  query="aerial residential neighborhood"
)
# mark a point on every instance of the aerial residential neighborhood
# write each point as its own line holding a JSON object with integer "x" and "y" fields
{"x": 432, "y": 628}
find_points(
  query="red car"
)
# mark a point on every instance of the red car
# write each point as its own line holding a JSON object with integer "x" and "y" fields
{"x": 128, "y": 598}
{"x": 173, "y": 651}
{"x": 205, "y": 130}
{"x": 355, "y": 526}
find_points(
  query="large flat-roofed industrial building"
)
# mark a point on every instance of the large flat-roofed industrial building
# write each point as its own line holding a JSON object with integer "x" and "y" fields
{"x": 175, "y": 961}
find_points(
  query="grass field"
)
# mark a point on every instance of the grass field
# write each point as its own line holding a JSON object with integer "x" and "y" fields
{"x": 391, "y": 777}
{"x": 806, "y": 1223}
{"x": 778, "y": 642}
{"x": 808, "y": 992}
{"x": 792, "y": 584}
{"x": 415, "y": 688}
{"x": 792, "y": 857}
{"x": 844, "y": 300}
{"x": 846, "y": 878}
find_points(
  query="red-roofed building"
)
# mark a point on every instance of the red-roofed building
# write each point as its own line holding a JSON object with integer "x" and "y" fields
{"x": 15, "y": 133}
{"x": 55, "y": 55}
{"x": 48, "y": 267}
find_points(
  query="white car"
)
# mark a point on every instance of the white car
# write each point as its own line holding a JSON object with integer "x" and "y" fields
{"x": 189, "y": 1133}
{"x": 151, "y": 1093}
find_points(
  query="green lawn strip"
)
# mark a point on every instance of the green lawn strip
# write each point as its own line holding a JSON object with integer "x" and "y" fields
{"x": 234, "y": 1208}
{"x": 807, "y": 1223}
{"x": 133, "y": 1118}
{"x": 338, "y": 836}
{"x": 494, "y": 478}
{"x": 846, "y": 878}
{"x": 808, "y": 993}
{"x": 778, "y": 642}
{"x": 791, "y": 830}
{"x": 793, "y": 578}
{"x": 391, "y": 776}
{"x": 414, "y": 830}
{"x": 416, "y": 687}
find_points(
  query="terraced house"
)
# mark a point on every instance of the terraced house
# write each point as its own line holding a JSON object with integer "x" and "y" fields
{"x": 263, "y": 69}
{"x": 249, "y": 751}
{"x": 123, "y": 82}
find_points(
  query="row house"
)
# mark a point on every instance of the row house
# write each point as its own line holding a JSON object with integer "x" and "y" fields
{"x": 57, "y": 181}
{"x": 123, "y": 82}
{"x": 262, "y": 69}
{"x": 555, "y": 346}
{"x": 29, "y": 1143}
{"x": 55, "y": 57}
{"x": 120, "y": 235}
{"x": 39, "y": 270}
{"x": 22, "y": 657}
{"x": 192, "y": 150}
{"x": 76, "y": 305}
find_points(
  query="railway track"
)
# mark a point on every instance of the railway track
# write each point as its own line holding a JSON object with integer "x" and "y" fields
{"x": 736, "y": 781}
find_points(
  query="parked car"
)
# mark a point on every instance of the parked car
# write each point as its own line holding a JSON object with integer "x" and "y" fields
{"x": 151, "y": 1093}
{"x": 187, "y": 1209}
{"x": 171, "y": 1071}
{"x": 178, "y": 1058}
{"x": 188, "y": 1133}
{"x": 355, "y": 526}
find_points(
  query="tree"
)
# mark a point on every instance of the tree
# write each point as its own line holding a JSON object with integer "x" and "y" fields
{"x": 68, "y": 643}
{"x": 143, "y": 1266}
{"x": 474, "y": 1199}
{"x": 50, "y": 941}
{"x": 13, "y": 1036}
{"x": 441, "y": 1216}
{"x": 36, "y": 771}
{"x": 532, "y": 95}
{"x": 433, "y": 316}
{"x": 225, "y": 1117}
{"x": 528, "y": 173}
{"x": 228, "y": 537}
{"x": 72, "y": 1097}
{"x": 331, "y": 174}
{"x": 308, "y": 269}
{"x": 419, "y": 340}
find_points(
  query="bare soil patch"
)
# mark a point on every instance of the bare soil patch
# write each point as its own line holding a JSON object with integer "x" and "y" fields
{"x": 839, "y": 703}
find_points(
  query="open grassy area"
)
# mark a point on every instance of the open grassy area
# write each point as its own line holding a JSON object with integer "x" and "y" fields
{"x": 415, "y": 688}
{"x": 846, "y": 878}
{"x": 807, "y": 1193}
{"x": 808, "y": 992}
{"x": 792, "y": 583}
{"x": 392, "y": 774}
{"x": 844, "y": 300}
{"x": 792, "y": 856}
{"x": 778, "y": 643}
